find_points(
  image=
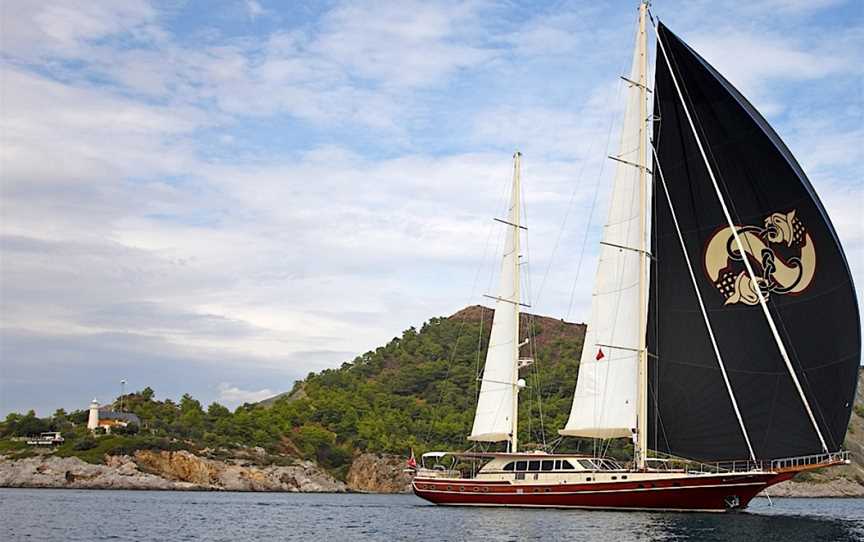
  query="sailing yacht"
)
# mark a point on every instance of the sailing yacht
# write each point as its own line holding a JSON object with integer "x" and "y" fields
{"x": 724, "y": 336}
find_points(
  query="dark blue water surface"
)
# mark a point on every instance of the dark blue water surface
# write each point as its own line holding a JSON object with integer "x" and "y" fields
{"x": 46, "y": 514}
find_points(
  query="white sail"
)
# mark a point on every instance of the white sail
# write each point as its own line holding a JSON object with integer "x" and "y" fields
{"x": 494, "y": 419}
{"x": 605, "y": 401}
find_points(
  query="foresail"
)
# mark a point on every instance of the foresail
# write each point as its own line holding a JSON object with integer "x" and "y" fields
{"x": 493, "y": 420}
{"x": 605, "y": 400}
{"x": 794, "y": 251}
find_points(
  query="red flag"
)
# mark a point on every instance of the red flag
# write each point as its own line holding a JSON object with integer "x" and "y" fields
{"x": 412, "y": 463}
{"x": 600, "y": 355}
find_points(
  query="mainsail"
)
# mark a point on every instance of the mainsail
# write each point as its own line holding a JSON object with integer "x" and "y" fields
{"x": 494, "y": 419}
{"x": 605, "y": 400}
{"x": 795, "y": 254}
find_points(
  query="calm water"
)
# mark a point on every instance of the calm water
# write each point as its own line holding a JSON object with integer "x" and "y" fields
{"x": 238, "y": 517}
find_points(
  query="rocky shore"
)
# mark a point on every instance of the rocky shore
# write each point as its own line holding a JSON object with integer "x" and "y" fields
{"x": 369, "y": 473}
{"x": 164, "y": 470}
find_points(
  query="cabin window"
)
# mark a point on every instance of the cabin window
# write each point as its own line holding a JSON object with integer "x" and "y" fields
{"x": 586, "y": 464}
{"x": 533, "y": 466}
{"x": 509, "y": 466}
{"x": 522, "y": 465}
{"x": 588, "y": 479}
{"x": 566, "y": 465}
{"x": 557, "y": 464}
{"x": 547, "y": 465}
{"x": 623, "y": 477}
{"x": 614, "y": 477}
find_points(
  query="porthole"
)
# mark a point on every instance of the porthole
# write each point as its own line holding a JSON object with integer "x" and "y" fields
{"x": 475, "y": 488}
{"x": 547, "y": 490}
{"x": 485, "y": 490}
{"x": 449, "y": 488}
{"x": 623, "y": 477}
{"x": 461, "y": 488}
{"x": 614, "y": 477}
{"x": 588, "y": 479}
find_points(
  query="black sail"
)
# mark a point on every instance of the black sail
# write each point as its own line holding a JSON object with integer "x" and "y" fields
{"x": 794, "y": 251}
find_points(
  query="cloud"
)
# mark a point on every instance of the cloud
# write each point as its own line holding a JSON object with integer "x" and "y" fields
{"x": 189, "y": 202}
{"x": 233, "y": 395}
{"x": 254, "y": 9}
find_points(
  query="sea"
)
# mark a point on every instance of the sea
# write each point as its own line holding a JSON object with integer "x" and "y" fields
{"x": 91, "y": 515}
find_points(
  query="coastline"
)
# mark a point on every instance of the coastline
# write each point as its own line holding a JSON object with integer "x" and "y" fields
{"x": 184, "y": 471}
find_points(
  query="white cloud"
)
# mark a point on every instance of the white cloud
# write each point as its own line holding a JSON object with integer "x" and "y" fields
{"x": 232, "y": 395}
{"x": 281, "y": 202}
{"x": 254, "y": 9}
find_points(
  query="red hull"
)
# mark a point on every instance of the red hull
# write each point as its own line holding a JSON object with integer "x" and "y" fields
{"x": 697, "y": 493}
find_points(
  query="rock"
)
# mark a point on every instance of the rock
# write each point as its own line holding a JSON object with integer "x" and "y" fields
{"x": 379, "y": 473}
{"x": 839, "y": 487}
{"x": 212, "y": 474}
{"x": 71, "y": 472}
{"x": 164, "y": 470}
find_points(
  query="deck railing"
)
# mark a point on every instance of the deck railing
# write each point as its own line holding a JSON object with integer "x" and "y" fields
{"x": 746, "y": 465}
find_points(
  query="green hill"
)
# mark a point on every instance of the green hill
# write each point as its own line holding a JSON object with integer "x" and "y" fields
{"x": 419, "y": 389}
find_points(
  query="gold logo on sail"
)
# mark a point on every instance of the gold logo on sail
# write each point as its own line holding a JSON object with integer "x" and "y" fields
{"x": 781, "y": 254}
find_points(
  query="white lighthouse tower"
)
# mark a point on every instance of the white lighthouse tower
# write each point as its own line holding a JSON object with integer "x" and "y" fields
{"x": 93, "y": 420}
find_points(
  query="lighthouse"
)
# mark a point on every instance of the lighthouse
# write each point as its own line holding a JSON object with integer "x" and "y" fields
{"x": 93, "y": 420}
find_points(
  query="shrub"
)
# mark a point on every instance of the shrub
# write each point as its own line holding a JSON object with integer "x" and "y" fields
{"x": 131, "y": 429}
{"x": 86, "y": 443}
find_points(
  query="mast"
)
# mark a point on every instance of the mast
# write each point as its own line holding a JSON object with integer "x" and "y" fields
{"x": 642, "y": 413}
{"x": 516, "y": 216}
{"x": 495, "y": 419}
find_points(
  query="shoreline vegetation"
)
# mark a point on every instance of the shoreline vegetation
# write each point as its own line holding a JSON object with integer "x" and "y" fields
{"x": 344, "y": 429}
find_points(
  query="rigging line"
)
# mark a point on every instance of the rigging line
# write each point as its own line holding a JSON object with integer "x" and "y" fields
{"x": 762, "y": 302}
{"x": 612, "y": 116}
{"x": 531, "y": 333}
{"x": 477, "y": 361}
{"x": 460, "y": 329}
{"x": 621, "y": 267}
{"x": 702, "y": 303}
{"x": 535, "y": 369}
{"x": 588, "y": 223}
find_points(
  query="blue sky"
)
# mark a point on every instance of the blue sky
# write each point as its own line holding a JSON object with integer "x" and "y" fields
{"x": 220, "y": 197}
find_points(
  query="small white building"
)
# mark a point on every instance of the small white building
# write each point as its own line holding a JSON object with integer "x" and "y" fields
{"x": 106, "y": 418}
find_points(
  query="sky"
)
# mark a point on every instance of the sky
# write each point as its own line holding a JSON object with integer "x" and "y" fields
{"x": 221, "y": 197}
